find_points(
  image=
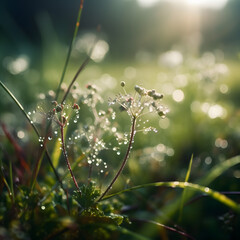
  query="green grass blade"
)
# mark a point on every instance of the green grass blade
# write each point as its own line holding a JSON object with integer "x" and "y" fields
{"x": 11, "y": 178}
{"x": 219, "y": 169}
{"x": 56, "y": 154}
{"x": 189, "y": 169}
{"x": 70, "y": 47}
{"x": 20, "y": 107}
{"x": 185, "y": 190}
{"x": 36, "y": 171}
{"x": 33, "y": 126}
{"x": 5, "y": 180}
{"x": 205, "y": 190}
{"x": 66, "y": 174}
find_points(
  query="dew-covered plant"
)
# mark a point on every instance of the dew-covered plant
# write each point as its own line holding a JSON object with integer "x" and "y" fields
{"x": 79, "y": 134}
{"x": 143, "y": 102}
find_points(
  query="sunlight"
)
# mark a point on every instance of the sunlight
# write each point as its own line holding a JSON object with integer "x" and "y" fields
{"x": 213, "y": 4}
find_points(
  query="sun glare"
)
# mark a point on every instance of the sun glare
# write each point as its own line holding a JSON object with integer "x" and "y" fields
{"x": 213, "y": 4}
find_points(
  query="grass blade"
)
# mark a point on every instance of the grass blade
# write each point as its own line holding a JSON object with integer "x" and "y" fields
{"x": 11, "y": 178}
{"x": 185, "y": 190}
{"x": 56, "y": 154}
{"x": 214, "y": 194}
{"x": 5, "y": 180}
{"x": 34, "y": 128}
{"x": 70, "y": 47}
{"x": 219, "y": 169}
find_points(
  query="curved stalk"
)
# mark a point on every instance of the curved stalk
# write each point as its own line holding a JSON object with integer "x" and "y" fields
{"x": 37, "y": 133}
{"x": 83, "y": 65}
{"x": 67, "y": 160}
{"x": 134, "y": 119}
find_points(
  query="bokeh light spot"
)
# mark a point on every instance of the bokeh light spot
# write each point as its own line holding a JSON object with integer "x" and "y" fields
{"x": 178, "y": 95}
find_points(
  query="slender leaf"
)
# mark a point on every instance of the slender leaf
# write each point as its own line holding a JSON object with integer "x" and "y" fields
{"x": 185, "y": 190}
{"x": 214, "y": 194}
{"x": 70, "y": 47}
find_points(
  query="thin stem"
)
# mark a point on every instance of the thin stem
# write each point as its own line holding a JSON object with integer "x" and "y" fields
{"x": 172, "y": 229}
{"x": 83, "y": 65}
{"x": 134, "y": 119}
{"x": 67, "y": 160}
{"x": 70, "y": 47}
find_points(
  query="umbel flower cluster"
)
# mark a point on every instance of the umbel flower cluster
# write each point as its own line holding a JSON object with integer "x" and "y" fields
{"x": 144, "y": 101}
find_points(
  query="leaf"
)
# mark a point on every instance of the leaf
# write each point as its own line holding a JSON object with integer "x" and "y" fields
{"x": 56, "y": 154}
{"x": 185, "y": 190}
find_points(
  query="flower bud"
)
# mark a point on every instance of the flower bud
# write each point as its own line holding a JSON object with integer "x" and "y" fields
{"x": 157, "y": 96}
{"x": 75, "y": 106}
{"x": 140, "y": 90}
{"x": 54, "y": 103}
{"x": 59, "y": 108}
{"x": 161, "y": 113}
{"x": 123, "y": 84}
{"x": 150, "y": 93}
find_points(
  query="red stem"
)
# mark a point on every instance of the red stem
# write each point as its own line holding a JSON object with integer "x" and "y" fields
{"x": 67, "y": 160}
{"x": 124, "y": 160}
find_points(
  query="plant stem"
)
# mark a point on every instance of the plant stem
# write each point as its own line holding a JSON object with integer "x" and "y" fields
{"x": 83, "y": 65}
{"x": 67, "y": 160}
{"x": 70, "y": 47}
{"x": 134, "y": 119}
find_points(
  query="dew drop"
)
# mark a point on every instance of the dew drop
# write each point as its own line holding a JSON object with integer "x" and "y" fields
{"x": 118, "y": 153}
{"x": 43, "y": 207}
{"x": 49, "y": 138}
{"x": 206, "y": 189}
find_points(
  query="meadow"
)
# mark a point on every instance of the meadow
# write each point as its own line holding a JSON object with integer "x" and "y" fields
{"x": 94, "y": 147}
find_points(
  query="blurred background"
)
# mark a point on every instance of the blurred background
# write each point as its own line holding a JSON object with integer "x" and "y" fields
{"x": 186, "y": 49}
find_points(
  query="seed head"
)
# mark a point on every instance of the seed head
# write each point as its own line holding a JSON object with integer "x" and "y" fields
{"x": 157, "y": 96}
{"x": 140, "y": 90}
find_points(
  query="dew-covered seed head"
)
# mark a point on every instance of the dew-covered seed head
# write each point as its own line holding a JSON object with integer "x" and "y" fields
{"x": 150, "y": 93}
{"x": 157, "y": 96}
{"x": 140, "y": 90}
